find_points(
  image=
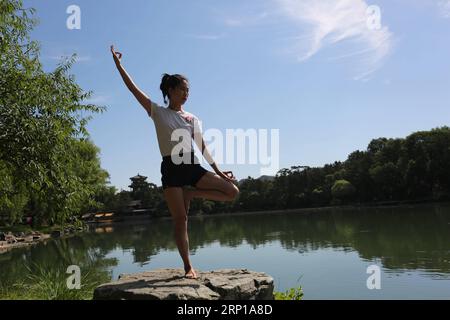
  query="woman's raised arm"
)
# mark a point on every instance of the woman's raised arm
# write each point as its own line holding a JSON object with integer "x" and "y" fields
{"x": 143, "y": 99}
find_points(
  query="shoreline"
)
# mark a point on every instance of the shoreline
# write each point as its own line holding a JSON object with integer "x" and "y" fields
{"x": 28, "y": 240}
{"x": 15, "y": 240}
{"x": 320, "y": 209}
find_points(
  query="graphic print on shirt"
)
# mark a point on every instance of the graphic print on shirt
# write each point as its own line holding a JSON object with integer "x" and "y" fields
{"x": 188, "y": 118}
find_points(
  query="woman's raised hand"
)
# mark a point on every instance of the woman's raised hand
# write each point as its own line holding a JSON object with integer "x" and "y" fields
{"x": 116, "y": 55}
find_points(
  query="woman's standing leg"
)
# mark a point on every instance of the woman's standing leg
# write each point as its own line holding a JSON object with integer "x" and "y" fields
{"x": 175, "y": 202}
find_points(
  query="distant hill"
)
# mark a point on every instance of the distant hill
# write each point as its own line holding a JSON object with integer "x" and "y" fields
{"x": 262, "y": 178}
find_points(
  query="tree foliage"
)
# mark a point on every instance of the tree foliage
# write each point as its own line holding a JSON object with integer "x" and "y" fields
{"x": 48, "y": 167}
{"x": 414, "y": 168}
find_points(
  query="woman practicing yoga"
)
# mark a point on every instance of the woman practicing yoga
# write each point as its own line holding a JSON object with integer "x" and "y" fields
{"x": 176, "y": 175}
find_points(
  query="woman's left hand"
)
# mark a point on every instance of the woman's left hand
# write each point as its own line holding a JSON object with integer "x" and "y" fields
{"x": 227, "y": 175}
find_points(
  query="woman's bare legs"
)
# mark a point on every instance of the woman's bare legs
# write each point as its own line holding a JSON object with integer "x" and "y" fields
{"x": 211, "y": 187}
{"x": 175, "y": 201}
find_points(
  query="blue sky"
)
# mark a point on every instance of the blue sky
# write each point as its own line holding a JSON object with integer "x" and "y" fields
{"x": 315, "y": 70}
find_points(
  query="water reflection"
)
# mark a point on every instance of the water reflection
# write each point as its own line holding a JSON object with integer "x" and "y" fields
{"x": 408, "y": 238}
{"x": 402, "y": 238}
{"x": 42, "y": 269}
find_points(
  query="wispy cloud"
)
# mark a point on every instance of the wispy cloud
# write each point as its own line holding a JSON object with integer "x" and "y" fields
{"x": 444, "y": 7}
{"x": 64, "y": 56}
{"x": 245, "y": 20}
{"x": 98, "y": 99}
{"x": 233, "y": 22}
{"x": 206, "y": 36}
{"x": 326, "y": 23}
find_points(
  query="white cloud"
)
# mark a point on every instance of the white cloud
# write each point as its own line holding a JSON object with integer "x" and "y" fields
{"x": 232, "y": 22}
{"x": 247, "y": 20}
{"x": 206, "y": 36}
{"x": 97, "y": 99}
{"x": 83, "y": 58}
{"x": 326, "y": 23}
{"x": 77, "y": 59}
{"x": 444, "y": 7}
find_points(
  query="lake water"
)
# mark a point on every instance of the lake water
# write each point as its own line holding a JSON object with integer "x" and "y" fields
{"x": 327, "y": 251}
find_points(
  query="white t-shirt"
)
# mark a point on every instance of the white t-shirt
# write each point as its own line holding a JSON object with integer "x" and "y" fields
{"x": 167, "y": 121}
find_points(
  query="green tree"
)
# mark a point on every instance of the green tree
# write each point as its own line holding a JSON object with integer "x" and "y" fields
{"x": 357, "y": 168}
{"x": 388, "y": 181}
{"x": 41, "y": 128}
{"x": 342, "y": 191}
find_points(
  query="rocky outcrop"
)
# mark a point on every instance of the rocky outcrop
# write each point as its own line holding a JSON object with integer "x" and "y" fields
{"x": 170, "y": 284}
{"x": 10, "y": 241}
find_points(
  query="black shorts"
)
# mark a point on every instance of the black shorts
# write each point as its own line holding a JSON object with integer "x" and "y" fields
{"x": 179, "y": 175}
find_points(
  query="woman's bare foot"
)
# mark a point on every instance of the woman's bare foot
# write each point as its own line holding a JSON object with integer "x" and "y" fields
{"x": 191, "y": 274}
{"x": 187, "y": 194}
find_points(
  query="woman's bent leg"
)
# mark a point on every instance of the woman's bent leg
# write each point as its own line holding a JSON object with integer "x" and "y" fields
{"x": 213, "y": 187}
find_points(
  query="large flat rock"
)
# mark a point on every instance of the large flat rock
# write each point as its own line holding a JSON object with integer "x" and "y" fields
{"x": 170, "y": 284}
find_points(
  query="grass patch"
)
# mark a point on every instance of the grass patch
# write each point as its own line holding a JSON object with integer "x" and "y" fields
{"x": 50, "y": 283}
{"x": 291, "y": 294}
